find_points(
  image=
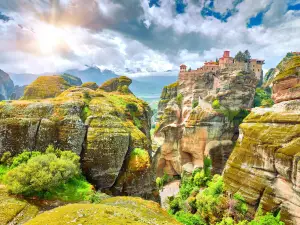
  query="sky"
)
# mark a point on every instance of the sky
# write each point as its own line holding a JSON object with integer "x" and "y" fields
{"x": 142, "y": 36}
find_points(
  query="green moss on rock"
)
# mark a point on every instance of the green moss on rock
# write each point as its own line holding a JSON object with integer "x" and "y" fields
{"x": 45, "y": 87}
{"x": 115, "y": 211}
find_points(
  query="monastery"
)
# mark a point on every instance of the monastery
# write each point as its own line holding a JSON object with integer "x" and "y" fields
{"x": 224, "y": 62}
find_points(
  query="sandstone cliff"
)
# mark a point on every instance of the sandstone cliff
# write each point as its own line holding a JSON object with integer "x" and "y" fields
{"x": 6, "y": 86}
{"x": 265, "y": 164}
{"x": 199, "y": 115}
{"x": 95, "y": 124}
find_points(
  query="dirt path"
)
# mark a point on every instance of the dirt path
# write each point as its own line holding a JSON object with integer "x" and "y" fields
{"x": 170, "y": 189}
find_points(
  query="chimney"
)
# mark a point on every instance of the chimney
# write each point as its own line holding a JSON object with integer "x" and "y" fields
{"x": 226, "y": 54}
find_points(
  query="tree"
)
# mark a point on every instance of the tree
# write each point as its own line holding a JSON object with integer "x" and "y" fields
{"x": 247, "y": 55}
{"x": 132, "y": 107}
{"x": 240, "y": 57}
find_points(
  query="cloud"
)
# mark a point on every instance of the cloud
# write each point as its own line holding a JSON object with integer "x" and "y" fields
{"x": 133, "y": 36}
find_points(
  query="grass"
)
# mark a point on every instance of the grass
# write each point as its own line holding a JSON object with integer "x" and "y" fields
{"x": 76, "y": 189}
{"x": 3, "y": 170}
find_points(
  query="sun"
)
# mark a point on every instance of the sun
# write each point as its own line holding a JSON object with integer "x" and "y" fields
{"x": 49, "y": 38}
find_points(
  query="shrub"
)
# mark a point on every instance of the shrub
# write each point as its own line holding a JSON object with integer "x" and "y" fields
{"x": 240, "y": 205}
{"x": 75, "y": 189}
{"x": 230, "y": 221}
{"x": 189, "y": 219}
{"x": 24, "y": 157}
{"x": 216, "y": 104}
{"x": 195, "y": 104}
{"x": 132, "y": 107}
{"x": 267, "y": 220}
{"x": 263, "y": 98}
{"x": 6, "y": 158}
{"x": 179, "y": 99}
{"x": 3, "y": 170}
{"x": 210, "y": 200}
{"x": 41, "y": 173}
{"x": 174, "y": 205}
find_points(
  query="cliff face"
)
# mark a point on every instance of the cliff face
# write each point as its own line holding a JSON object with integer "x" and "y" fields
{"x": 200, "y": 116}
{"x": 95, "y": 124}
{"x": 265, "y": 164}
{"x": 6, "y": 86}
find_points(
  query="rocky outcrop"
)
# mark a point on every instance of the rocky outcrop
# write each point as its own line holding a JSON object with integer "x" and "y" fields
{"x": 72, "y": 80}
{"x": 286, "y": 85}
{"x": 119, "y": 84}
{"x": 45, "y": 87}
{"x": 265, "y": 164}
{"x": 94, "y": 124}
{"x": 200, "y": 116}
{"x": 6, "y": 86}
{"x": 15, "y": 211}
{"x": 117, "y": 210}
{"x": 91, "y": 85}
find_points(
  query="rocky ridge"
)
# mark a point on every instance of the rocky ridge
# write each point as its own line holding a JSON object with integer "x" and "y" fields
{"x": 199, "y": 115}
{"x": 265, "y": 163}
{"x": 93, "y": 123}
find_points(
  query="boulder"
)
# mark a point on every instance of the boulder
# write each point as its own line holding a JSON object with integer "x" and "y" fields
{"x": 45, "y": 87}
{"x": 94, "y": 124}
{"x": 117, "y": 210}
{"x": 119, "y": 84}
{"x": 91, "y": 85}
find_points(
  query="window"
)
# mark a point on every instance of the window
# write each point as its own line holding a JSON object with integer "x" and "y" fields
{"x": 258, "y": 70}
{"x": 253, "y": 70}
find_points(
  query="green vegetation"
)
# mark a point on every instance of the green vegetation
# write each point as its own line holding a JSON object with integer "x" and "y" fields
{"x": 139, "y": 160}
{"x": 216, "y": 104}
{"x": 179, "y": 99}
{"x": 263, "y": 98}
{"x": 162, "y": 181}
{"x": 243, "y": 56}
{"x": 114, "y": 211}
{"x": 54, "y": 174}
{"x": 202, "y": 200}
{"x": 195, "y": 103}
{"x": 288, "y": 67}
{"x": 133, "y": 110}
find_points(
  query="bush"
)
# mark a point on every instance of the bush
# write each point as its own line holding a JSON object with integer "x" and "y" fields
{"x": 240, "y": 205}
{"x": 132, "y": 108}
{"x": 6, "y": 158}
{"x": 75, "y": 189}
{"x": 210, "y": 201}
{"x": 189, "y": 219}
{"x": 216, "y": 104}
{"x": 263, "y": 98}
{"x": 179, "y": 99}
{"x": 24, "y": 157}
{"x": 3, "y": 170}
{"x": 41, "y": 173}
{"x": 195, "y": 104}
{"x": 267, "y": 220}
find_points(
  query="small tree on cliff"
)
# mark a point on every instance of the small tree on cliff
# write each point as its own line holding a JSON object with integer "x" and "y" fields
{"x": 240, "y": 57}
{"x": 247, "y": 56}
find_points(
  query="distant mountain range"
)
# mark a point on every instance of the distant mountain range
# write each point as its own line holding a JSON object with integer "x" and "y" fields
{"x": 146, "y": 87}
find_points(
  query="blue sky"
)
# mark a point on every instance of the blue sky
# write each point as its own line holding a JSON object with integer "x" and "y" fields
{"x": 142, "y": 36}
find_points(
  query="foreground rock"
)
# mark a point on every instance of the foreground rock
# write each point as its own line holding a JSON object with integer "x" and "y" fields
{"x": 94, "y": 124}
{"x": 15, "y": 211}
{"x": 265, "y": 164}
{"x": 199, "y": 116}
{"x": 118, "y": 211}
